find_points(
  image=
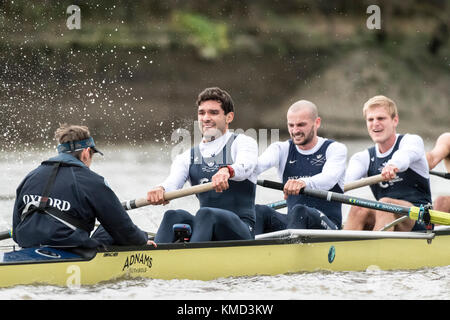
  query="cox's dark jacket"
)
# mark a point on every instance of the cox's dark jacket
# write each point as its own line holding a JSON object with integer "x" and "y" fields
{"x": 80, "y": 193}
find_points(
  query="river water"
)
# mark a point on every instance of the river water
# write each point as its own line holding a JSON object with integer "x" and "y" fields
{"x": 131, "y": 171}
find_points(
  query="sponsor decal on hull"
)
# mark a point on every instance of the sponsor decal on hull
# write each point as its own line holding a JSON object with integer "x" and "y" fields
{"x": 137, "y": 262}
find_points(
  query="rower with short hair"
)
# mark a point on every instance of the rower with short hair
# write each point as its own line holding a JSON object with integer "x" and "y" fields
{"x": 305, "y": 160}
{"x": 226, "y": 159}
{"x": 441, "y": 152}
{"x": 400, "y": 158}
{"x": 57, "y": 203}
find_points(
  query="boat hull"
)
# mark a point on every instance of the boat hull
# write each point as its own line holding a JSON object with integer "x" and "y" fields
{"x": 303, "y": 252}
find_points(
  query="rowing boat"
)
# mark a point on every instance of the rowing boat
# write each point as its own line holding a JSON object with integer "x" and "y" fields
{"x": 281, "y": 252}
{"x": 287, "y": 251}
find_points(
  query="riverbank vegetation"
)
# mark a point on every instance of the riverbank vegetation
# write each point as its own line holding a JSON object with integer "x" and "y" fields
{"x": 133, "y": 69}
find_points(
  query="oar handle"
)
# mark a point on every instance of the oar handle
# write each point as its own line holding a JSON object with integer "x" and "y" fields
{"x": 363, "y": 182}
{"x": 271, "y": 184}
{"x": 445, "y": 175}
{"x": 5, "y": 234}
{"x": 170, "y": 195}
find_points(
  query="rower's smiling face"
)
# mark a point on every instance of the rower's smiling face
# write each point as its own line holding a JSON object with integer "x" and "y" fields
{"x": 212, "y": 120}
{"x": 380, "y": 124}
{"x": 303, "y": 128}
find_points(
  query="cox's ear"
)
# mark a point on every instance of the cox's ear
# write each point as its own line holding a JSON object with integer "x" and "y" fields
{"x": 85, "y": 155}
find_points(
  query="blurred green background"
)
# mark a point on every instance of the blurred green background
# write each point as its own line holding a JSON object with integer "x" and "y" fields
{"x": 134, "y": 69}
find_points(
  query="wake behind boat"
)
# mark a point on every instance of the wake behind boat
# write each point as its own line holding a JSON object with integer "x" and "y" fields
{"x": 287, "y": 251}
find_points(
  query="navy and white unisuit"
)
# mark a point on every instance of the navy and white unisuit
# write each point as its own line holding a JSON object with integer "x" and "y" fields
{"x": 300, "y": 166}
{"x": 321, "y": 167}
{"x": 238, "y": 198}
{"x": 408, "y": 155}
{"x": 80, "y": 194}
{"x": 408, "y": 185}
{"x": 229, "y": 215}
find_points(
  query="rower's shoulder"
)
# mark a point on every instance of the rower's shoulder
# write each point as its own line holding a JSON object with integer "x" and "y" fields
{"x": 280, "y": 145}
{"x": 412, "y": 139}
{"x": 88, "y": 177}
{"x": 361, "y": 156}
{"x": 444, "y": 139}
{"x": 244, "y": 137}
{"x": 336, "y": 145}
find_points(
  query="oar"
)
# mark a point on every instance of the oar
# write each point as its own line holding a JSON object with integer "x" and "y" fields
{"x": 5, "y": 234}
{"x": 414, "y": 213}
{"x": 445, "y": 175}
{"x": 363, "y": 182}
{"x": 170, "y": 195}
{"x": 349, "y": 186}
{"x": 277, "y": 205}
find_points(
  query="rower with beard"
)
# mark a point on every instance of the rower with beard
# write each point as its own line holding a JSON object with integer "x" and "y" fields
{"x": 226, "y": 159}
{"x": 305, "y": 160}
{"x": 401, "y": 160}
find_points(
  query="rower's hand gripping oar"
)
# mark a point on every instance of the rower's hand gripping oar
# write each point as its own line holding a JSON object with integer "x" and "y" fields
{"x": 414, "y": 213}
{"x": 349, "y": 186}
{"x": 170, "y": 195}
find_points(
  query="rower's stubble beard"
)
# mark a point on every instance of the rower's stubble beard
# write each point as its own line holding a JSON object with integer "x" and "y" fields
{"x": 307, "y": 137}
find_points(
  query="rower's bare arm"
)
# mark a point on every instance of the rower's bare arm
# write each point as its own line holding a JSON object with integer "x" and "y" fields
{"x": 441, "y": 151}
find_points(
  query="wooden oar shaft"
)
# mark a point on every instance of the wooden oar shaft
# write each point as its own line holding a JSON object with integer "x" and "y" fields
{"x": 437, "y": 217}
{"x": 188, "y": 191}
{"x": 170, "y": 195}
{"x": 363, "y": 182}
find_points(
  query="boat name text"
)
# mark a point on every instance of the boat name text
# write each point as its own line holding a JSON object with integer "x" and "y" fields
{"x": 136, "y": 258}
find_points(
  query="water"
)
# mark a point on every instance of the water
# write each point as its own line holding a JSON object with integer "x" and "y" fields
{"x": 131, "y": 171}
{"x": 431, "y": 284}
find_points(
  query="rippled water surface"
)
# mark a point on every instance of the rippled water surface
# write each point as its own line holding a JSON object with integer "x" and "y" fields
{"x": 132, "y": 171}
{"x": 426, "y": 283}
